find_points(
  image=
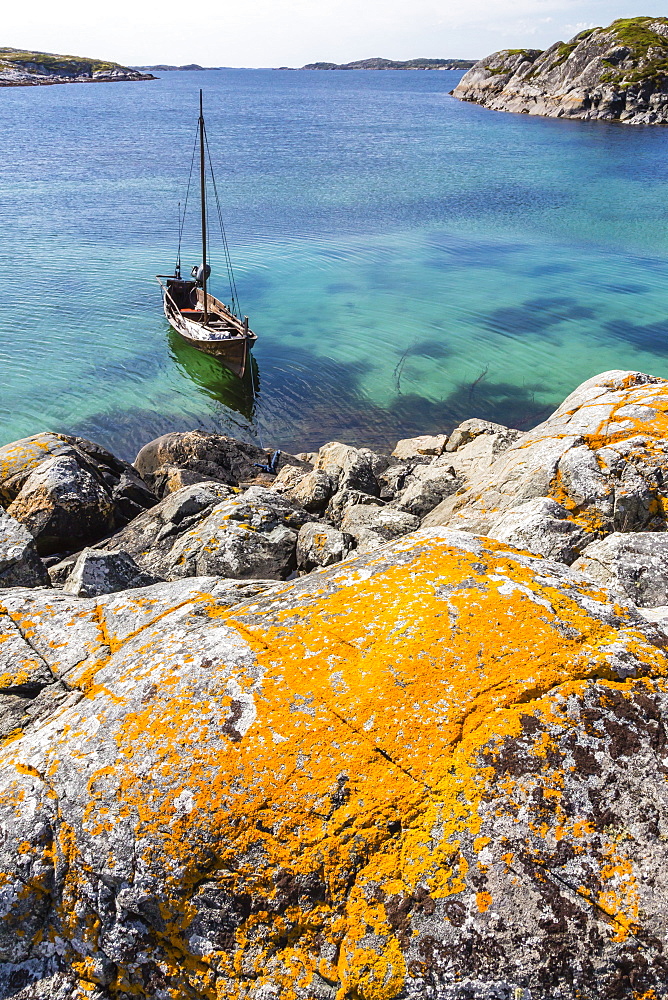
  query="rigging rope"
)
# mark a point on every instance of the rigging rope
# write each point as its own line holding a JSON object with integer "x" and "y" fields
{"x": 234, "y": 298}
{"x": 182, "y": 218}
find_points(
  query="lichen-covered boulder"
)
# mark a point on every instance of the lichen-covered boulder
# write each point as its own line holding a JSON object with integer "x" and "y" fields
{"x": 210, "y": 456}
{"x": 371, "y": 526}
{"x": 321, "y": 545}
{"x": 310, "y": 489}
{"x": 434, "y": 771}
{"x": 635, "y": 564}
{"x": 68, "y": 491}
{"x": 603, "y": 455}
{"x": 20, "y": 565}
{"x": 211, "y": 529}
{"x": 543, "y": 527}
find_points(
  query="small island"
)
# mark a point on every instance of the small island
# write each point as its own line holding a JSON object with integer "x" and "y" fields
{"x": 618, "y": 73}
{"x": 378, "y": 63}
{"x": 21, "y": 68}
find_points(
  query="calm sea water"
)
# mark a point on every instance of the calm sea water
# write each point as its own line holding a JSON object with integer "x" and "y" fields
{"x": 407, "y": 260}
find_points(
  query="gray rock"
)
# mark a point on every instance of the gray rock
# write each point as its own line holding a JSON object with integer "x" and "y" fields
{"x": 470, "y": 429}
{"x": 427, "y": 486}
{"x": 211, "y": 529}
{"x": 20, "y": 565}
{"x": 612, "y": 73}
{"x": 98, "y": 572}
{"x": 351, "y": 468}
{"x": 417, "y": 447}
{"x": 321, "y": 545}
{"x": 373, "y": 526}
{"x": 52, "y": 481}
{"x": 310, "y": 490}
{"x": 344, "y": 499}
{"x": 212, "y": 456}
{"x": 634, "y": 564}
{"x": 603, "y": 456}
{"x": 541, "y": 526}
{"x": 227, "y": 795}
{"x": 63, "y": 505}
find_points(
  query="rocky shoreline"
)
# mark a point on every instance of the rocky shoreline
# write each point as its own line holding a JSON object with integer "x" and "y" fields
{"x": 367, "y": 726}
{"x": 618, "y": 73}
{"x": 19, "y": 68}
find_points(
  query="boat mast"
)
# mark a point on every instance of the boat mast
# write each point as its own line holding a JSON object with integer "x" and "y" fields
{"x": 202, "y": 186}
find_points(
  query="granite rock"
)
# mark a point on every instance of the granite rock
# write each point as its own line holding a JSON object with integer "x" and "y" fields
{"x": 212, "y": 456}
{"x": 321, "y": 545}
{"x": 67, "y": 490}
{"x": 20, "y": 565}
{"x": 634, "y": 564}
{"x": 602, "y": 455}
{"x": 98, "y": 572}
{"x": 613, "y": 73}
{"x": 372, "y": 526}
{"x": 541, "y": 527}
{"x": 352, "y": 787}
{"x": 417, "y": 447}
{"x": 211, "y": 529}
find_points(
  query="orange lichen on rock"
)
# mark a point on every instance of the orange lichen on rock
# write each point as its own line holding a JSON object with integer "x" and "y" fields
{"x": 344, "y": 789}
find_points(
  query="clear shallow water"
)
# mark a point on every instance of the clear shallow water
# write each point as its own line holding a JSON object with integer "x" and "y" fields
{"x": 407, "y": 260}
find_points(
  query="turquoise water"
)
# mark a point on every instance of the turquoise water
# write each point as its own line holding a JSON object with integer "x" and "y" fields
{"x": 406, "y": 260}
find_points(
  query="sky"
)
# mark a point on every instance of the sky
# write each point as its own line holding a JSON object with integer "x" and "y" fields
{"x": 260, "y": 33}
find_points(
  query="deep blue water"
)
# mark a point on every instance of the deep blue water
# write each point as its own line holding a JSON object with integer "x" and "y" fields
{"x": 406, "y": 260}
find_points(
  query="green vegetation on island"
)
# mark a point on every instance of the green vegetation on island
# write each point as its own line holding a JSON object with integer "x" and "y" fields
{"x": 614, "y": 73}
{"x": 23, "y": 67}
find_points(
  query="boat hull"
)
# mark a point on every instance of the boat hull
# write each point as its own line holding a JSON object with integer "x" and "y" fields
{"x": 226, "y": 339}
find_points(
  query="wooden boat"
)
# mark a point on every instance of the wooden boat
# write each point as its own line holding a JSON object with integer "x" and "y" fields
{"x": 202, "y": 320}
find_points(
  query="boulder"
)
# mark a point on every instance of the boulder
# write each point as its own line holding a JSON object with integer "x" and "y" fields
{"x": 417, "y": 447}
{"x": 98, "y": 572}
{"x": 20, "y": 565}
{"x": 308, "y": 489}
{"x": 603, "y": 456}
{"x": 343, "y": 499}
{"x": 373, "y": 526}
{"x": 211, "y": 456}
{"x": 213, "y": 530}
{"x": 470, "y": 429}
{"x": 351, "y": 468}
{"x": 68, "y": 491}
{"x": 432, "y": 771}
{"x": 542, "y": 527}
{"x": 427, "y": 486}
{"x": 63, "y": 505}
{"x": 321, "y": 545}
{"x": 634, "y": 564}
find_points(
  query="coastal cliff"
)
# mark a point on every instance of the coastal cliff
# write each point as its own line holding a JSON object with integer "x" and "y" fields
{"x": 618, "y": 73}
{"x": 20, "y": 68}
{"x": 377, "y": 727}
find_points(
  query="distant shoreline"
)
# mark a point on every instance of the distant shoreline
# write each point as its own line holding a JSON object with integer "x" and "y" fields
{"x": 375, "y": 64}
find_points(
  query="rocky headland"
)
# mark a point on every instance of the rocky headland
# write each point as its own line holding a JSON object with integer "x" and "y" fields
{"x": 618, "y": 73}
{"x": 376, "y": 727}
{"x": 20, "y": 68}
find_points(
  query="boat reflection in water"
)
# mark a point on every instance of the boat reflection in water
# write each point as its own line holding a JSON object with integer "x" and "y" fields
{"x": 215, "y": 380}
